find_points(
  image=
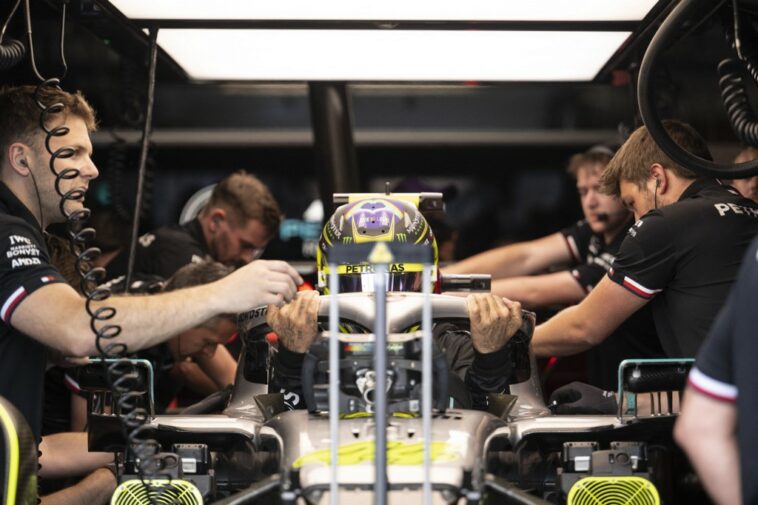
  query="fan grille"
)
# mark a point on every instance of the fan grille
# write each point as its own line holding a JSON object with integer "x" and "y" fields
{"x": 157, "y": 491}
{"x": 613, "y": 491}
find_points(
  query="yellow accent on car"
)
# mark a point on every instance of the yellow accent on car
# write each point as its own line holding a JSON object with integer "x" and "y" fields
{"x": 11, "y": 436}
{"x": 363, "y": 414}
{"x": 398, "y": 453}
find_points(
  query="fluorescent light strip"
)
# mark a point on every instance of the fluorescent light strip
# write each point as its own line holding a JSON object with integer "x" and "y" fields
{"x": 390, "y": 10}
{"x": 389, "y": 55}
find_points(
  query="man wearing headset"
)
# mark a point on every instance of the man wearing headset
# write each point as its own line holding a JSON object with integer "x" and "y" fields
{"x": 589, "y": 246}
{"x": 233, "y": 228}
{"x": 681, "y": 256}
{"x": 39, "y": 310}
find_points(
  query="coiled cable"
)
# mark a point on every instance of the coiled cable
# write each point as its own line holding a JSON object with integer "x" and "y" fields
{"x": 646, "y": 94}
{"x": 734, "y": 95}
{"x": 743, "y": 39}
{"x": 11, "y": 51}
{"x": 122, "y": 376}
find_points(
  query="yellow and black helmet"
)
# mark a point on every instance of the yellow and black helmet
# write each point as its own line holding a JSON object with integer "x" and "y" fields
{"x": 375, "y": 219}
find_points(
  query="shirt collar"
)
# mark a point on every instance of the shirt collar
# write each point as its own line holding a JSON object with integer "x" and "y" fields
{"x": 13, "y": 205}
{"x": 195, "y": 229}
{"x": 697, "y": 186}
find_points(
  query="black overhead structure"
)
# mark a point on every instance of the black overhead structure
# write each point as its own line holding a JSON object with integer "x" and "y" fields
{"x": 336, "y": 160}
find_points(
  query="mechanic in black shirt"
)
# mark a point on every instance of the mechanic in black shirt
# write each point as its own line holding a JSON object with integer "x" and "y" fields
{"x": 38, "y": 309}
{"x": 479, "y": 357}
{"x": 682, "y": 255}
{"x": 590, "y": 247}
{"x": 195, "y": 359}
{"x": 234, "y": 227}
{"x": 717, "y": 424}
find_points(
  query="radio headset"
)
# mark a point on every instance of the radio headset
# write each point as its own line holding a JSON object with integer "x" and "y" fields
{"x": 122, "y": 376}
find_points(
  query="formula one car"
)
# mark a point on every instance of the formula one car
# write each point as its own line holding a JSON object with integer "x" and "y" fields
{"x": 257, "y": 450}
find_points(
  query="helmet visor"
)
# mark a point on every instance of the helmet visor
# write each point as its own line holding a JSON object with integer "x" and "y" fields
{"x": 394, "y": 281}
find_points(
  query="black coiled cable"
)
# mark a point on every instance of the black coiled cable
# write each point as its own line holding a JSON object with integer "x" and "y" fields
{"x": 11, "y": 51}
{"x": 123, "y": 378}
{"x": 743, "y": 39}
{"x": 681, "y": 14}
{"x": 734, "y": 95}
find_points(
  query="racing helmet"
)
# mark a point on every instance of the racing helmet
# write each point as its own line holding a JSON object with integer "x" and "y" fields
{"x": 375, "y": 219}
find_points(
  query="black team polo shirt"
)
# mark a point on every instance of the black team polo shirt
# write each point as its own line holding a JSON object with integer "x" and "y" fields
{"x": 636, "y": 337}
{"x": 162, "y": 252}
{"x": 24, "y": 268}
{"x": 684, "y": 257}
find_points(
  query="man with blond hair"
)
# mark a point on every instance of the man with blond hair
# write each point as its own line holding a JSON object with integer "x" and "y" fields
{"x": 681, "y": 256}
{"x": 39, "y": 310}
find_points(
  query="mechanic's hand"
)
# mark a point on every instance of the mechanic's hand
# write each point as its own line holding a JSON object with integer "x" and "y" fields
{"x": 296, "y": 323}
{"x": 494, "y": 320}
{"x": 262, "y": 282}
{"x": 581, "y": 398}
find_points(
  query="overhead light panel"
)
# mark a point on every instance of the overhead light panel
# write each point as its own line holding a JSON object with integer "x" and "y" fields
{"x": 388, "y": 10}
{"x": 390, "y": 55}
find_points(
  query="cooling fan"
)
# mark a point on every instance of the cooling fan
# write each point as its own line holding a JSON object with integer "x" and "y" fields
{"x": 613, "y": 491}
{"x": 157, "y": 491}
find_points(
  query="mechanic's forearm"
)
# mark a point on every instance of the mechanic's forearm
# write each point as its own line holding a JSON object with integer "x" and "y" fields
{"x": 519, "y": 289}
{"x": 66, "y": 455}
{"x": 564, "y": 334}
{"x": 504, "y": 261}
{"x": 95, "y": 489}
{"x": 146, "y": 321}
{"x": 540, "y": 290}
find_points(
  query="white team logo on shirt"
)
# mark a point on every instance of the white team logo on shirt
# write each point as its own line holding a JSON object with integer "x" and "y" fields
{"x": 23, "y": 252}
